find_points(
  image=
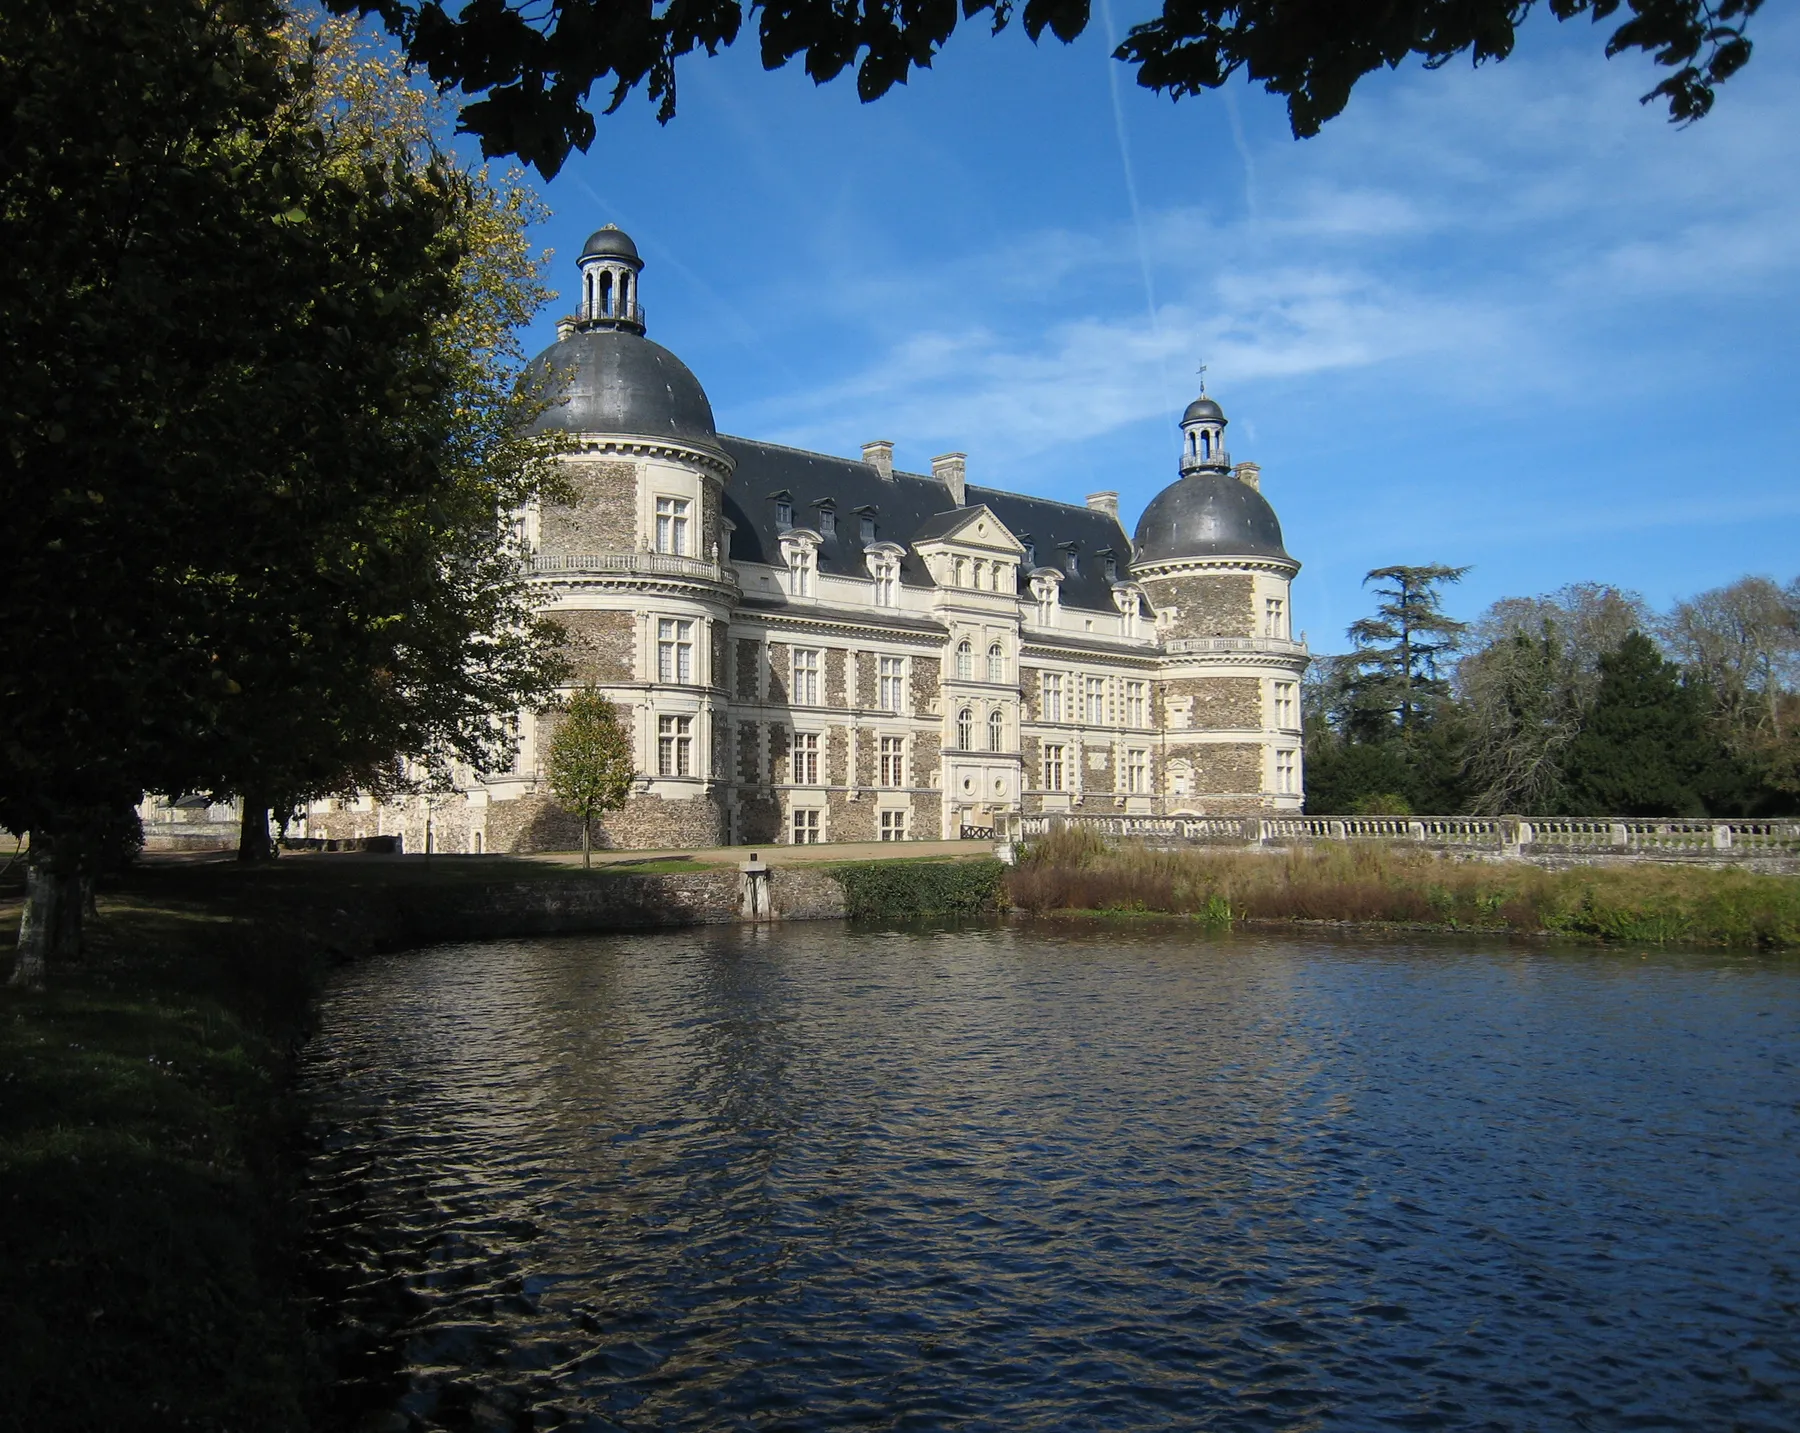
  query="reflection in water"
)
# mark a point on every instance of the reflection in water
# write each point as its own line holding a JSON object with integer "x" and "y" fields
{"x": 818, "y": 1178}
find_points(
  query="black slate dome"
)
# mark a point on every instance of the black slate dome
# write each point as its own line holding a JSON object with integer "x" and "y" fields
{"x": 1203, "y": 408}
{"x": 609, "y": 243}
{"x": 1208, "y": 514}
{"x": 611, "y": 380}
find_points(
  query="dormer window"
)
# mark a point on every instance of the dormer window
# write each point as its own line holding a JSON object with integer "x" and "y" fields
{"x": 1030, "y": 552}
{"x": 1071, "y": 559}
{"x": 827, "y": 520}
{"x": 1112, "y": 565}
{"x": 784, "y": 512}
{"x": 865, "y": 524}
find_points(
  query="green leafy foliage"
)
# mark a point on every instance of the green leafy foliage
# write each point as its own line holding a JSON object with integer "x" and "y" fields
{"x": 535, "y": 67}
{"x": 590, "y": 764}
{"x": 903, "y": 890}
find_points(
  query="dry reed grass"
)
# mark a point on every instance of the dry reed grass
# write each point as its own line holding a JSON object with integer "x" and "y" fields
{"x": 1374, "y": 883}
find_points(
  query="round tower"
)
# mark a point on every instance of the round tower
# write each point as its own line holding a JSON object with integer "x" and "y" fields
{"x": 1209, "y": 554}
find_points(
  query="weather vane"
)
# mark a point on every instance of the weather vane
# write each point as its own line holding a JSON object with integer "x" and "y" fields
{"x": 1202, "y": 372}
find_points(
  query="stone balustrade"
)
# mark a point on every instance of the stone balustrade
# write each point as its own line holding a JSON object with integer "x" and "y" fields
{"x": 654, "y": 564}
{"x": 1594, "y": 835}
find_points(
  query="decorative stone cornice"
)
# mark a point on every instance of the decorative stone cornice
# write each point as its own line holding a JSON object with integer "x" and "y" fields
{"x": 713, "y": 459}
{"x": 1145, "y": 659}
{"x": 1182, "y": 566}
{"x": 854, "y": 626}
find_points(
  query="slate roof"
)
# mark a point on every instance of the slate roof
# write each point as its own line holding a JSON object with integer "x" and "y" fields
{"x": 903, "y": 509}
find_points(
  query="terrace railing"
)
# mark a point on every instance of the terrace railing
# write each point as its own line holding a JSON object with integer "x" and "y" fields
{"x": 652, "y": 564}
{"x": 1598, "y": 835}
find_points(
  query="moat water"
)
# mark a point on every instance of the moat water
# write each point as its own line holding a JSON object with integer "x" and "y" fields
{"x": 811, "y": 1178}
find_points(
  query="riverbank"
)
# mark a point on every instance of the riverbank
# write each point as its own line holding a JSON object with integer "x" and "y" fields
{"x": 148, "y": 1210}
{"x": 1375, "y": 884}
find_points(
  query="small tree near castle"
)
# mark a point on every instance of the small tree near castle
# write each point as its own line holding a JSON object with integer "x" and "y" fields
{"x": 590, "y": 766}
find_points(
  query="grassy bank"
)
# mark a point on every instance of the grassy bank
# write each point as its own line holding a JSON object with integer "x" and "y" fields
{"x": 145, "y": 1226}
{"x": 1378, "y": 883}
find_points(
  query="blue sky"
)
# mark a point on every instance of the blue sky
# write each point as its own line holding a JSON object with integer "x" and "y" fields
{"x": 1504, "y": 317}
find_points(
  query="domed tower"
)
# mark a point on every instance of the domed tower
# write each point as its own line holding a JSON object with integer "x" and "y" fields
{"x": 1208, "y": 551}
{"x": 632, "y": 562}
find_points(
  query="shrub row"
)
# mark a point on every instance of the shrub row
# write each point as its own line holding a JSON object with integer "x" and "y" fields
{"x": 902, "y": 890}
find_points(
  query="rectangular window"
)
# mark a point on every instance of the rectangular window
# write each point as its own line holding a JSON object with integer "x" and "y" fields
{"x": 674, "y": 651}
{"x": 801, "y": 573}
{"x": 887, "y": 585}
{"x": 1137, "y": 766}
{"x": 892, "y": 691}
{"x": 1095, "y": 713}
{"x": 1053, "y": 699}
{"x": 806, "y": 758}
{"x": 827, "y": 522}
{"x": 805, "y": 689}
{"x": 1285, "y": 765}
{"x": 893, "y": 761}
{"x": 1274, "y": 617}
{"x": 1137, "y": 706}
{"x": 806, "y": 828}
{"x": 1284, "y": 705}
{"x": 672, "y": 526}
{"x": 893, "y": 825}
{"x": 784, "y": 514}
{"x": 1053, "y": 768}
{"x": 865, "y": 526}
{"x": 674, "y": 746}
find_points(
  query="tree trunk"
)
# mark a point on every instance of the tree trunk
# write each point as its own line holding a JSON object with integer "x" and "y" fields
{"x": 587, "y": 857}
{"x": 50, "y": 925}
{"x": 253, "y": 831}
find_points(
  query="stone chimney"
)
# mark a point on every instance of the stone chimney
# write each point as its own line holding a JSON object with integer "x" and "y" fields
{"x": 952, "y": 470}
{"x": 565, "y": 327}
{"x": 879, "y": 455}
{"x": 1249, "y": 474}
{"x": 1107, "y": 503}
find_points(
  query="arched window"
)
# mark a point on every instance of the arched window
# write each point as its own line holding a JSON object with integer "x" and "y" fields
{"x": 605, "y": 309}
{"x": 996, "y": 663}
{"x": 1206, "y": 445}
{"x": 965, "y": 730}
{"x": 996, "y": 731}
{"x": 959, "y": 572}
{"x": 965, "y": 661}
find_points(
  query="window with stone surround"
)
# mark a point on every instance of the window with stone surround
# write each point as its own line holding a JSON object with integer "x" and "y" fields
{"x": 1137, "y": 767}
{"x": 675, "y": 746}
{"x": 806, "y": 827}
{"x": 674, "y": 650}
{"x": 893, "y": 825}
{"x": 1094, "y": 711}
{"x": 996, "y": 730}
{"x": 804, "y": 759}
{"x": 887, "y": 584}
{"x": 804, "y": 690}
{"x": 800, "y": 571}
{"x": 1053, "y": 697}
{"x": 1284, "y": 705}
{"x": 1053, "y": 768}
{"x": 891, "y": 684}
{"x": 996, "y": 663}
{"x": 827, "y": 520}
{"x": 965, "y": 730}
{"x": 1286, "y": 767}
{"x": 1274, "y": 617}
{"x": 1137, "y": 704}
{"x": 893, "y": 761}
{"x": 965, "y": 660}
{"x": 672, "y": 526}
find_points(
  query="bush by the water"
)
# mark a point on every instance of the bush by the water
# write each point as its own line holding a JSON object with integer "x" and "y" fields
{"x": 900, "y": 890}
{"x": 1073, "y": 869}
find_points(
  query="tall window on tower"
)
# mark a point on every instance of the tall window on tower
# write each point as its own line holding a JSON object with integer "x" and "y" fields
{"x": 1094, "y": 712}
{"x": 1053, "y": 699}
{"x": 675, "y": 746}
{"x": 1286, "y": 764}
{"x": 1274, "y": 617}
{"x": 965, "y": 730}
{"x": 674, "y": 651}
{"x": 672, "y": 526}
{"x": 965, "y": 660}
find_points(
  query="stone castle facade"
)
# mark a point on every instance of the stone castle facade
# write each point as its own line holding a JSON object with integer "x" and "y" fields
{"x": 812, "y": 648}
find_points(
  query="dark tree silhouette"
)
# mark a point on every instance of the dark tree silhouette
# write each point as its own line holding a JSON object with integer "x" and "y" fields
{"x": 536, "y": 61}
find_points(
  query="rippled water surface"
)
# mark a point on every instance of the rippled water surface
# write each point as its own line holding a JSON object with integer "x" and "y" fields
{"x": 813, "y": 1178}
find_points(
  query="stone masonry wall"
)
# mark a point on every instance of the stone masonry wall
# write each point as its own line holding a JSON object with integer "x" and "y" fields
{"x": 1216, "y": 605}
{"x": 603, "y": 515}
{"x": 600, "y": 645}
{"x": 1212, "y": 703}
{"x": 749, "y": 655}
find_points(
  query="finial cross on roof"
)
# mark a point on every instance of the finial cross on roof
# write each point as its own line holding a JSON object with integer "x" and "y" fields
{"x": 1201, "y": 370}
